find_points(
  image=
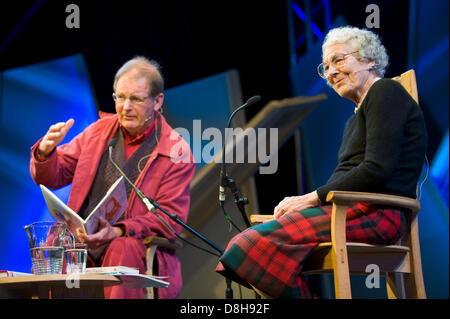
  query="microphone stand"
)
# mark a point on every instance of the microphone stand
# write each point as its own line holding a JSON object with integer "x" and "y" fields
{"x": 239, "y": 200}
{"x": 225, "y": 182}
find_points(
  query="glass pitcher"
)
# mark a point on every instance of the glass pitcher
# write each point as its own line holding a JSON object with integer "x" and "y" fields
{"x": 46, "y": 241}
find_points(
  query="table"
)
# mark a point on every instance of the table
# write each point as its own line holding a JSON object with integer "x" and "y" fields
{"x": 57, "y": 286}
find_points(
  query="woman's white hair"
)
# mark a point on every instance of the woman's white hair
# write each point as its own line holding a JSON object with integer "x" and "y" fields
{"x": 147, "y": 68}
{"x": 366, "y": 42}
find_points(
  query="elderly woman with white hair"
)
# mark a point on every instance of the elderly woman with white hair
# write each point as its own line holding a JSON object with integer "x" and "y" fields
{"x": 382, "y": 151}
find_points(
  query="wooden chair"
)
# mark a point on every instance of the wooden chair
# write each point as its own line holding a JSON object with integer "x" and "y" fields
{"x": 343, "y": 258}
{"x": 152, "y": 243}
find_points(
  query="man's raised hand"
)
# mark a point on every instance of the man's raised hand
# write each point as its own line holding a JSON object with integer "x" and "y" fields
{"x": 54, "y": 136}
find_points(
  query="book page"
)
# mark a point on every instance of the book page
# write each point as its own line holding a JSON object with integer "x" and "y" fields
{"x": 134, "y": 281}
{"x": 63, "y": 213}
{"x": 111, "y": 207}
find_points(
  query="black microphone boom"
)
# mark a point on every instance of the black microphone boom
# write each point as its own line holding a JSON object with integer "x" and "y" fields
{"x": 141, "y": 195}
{"x": 250, "y": 101}
{"x": 151, "y": 204}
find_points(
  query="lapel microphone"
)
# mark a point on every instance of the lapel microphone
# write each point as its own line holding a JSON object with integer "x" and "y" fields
{"x": 148, "y": 119}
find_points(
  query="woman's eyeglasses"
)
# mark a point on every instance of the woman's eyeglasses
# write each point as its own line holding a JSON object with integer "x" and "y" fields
{"x": 338, "y": 61}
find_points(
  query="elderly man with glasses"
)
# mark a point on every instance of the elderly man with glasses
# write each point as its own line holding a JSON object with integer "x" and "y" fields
{"x": 152, "y": 155}
{"x": 382, "y": 151}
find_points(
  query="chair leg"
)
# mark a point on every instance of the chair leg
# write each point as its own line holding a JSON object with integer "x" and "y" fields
{"x": 341, "y": 272}
{"x": 395, "y": 286}
{"x": 150, "y": 293}
{"x": 415, "y": 285}
{"x": 339, "y": 255}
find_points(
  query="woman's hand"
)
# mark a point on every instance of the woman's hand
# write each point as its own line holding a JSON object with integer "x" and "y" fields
{"x": 296, "y": 203}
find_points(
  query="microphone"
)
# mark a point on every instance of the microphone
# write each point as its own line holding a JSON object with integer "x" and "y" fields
{"x": 112, "y": 144}
{"x": 141, "y": 195}
{"x": 223, "y": 171}
{"x": 148, "y": 119}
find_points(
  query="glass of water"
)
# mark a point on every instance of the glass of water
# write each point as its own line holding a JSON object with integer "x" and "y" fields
{"x": 76, "y": 257}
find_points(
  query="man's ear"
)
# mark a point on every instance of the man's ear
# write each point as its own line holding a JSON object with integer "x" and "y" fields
{"x": 159, "y": 101}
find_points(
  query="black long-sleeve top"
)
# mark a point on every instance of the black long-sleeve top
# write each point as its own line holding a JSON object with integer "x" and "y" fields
{"x": 383, "y": 145}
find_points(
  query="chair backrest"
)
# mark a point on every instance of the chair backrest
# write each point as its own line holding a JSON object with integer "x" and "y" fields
{"x": 408, "y": 80}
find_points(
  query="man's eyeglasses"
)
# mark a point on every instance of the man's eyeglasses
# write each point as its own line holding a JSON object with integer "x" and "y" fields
{"x": 337, "y": 62}
{"x": 136, "y": 100}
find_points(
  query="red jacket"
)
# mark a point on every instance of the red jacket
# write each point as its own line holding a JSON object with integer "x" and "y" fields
{"x": 163, "y": 179}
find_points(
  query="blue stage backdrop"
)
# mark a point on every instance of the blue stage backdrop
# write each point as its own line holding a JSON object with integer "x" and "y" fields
{"x": 194, "y": 107}
{"x": 32, "y": 98}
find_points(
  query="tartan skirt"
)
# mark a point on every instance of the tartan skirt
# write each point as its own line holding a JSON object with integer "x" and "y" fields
{"x": 270, "y": 256}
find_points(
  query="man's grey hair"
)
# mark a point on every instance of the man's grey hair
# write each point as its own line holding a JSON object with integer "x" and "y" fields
{"x": 147, "y": 68}
{"x": 366, "y": 42}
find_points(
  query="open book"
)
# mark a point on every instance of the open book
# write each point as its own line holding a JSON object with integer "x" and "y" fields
{"x": 130, "y": 277}
{"x": 111, "y": 207}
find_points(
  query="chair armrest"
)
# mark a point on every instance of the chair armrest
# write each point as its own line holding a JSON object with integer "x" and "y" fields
{"x": 257, "y": 219}
{"x": 162, "y": 242}
{"x": 345, "y": 197}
